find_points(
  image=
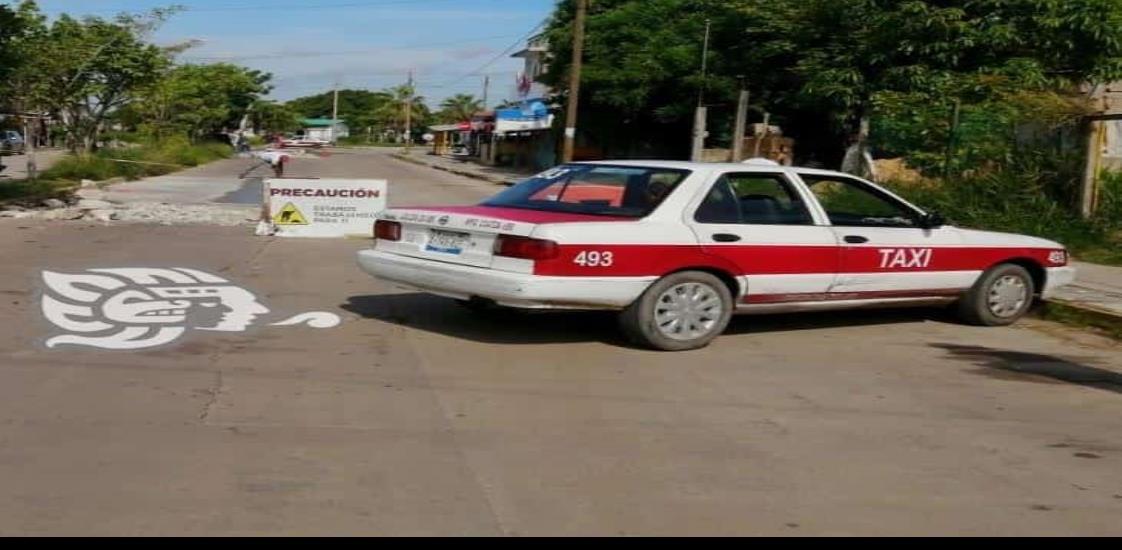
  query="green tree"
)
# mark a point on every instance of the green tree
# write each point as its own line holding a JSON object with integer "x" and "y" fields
{"x": 822, "y": 66}
{"x": 270, "y": 117}
{"x": 11, "y": 27}
{"x": 404, "y": 99}
{"x": 459, "y": 108}
{"x": 364, "y": 111}
{"x": 198, "y": 100}
{"x": 20, "y": 30}
{"x": 840, "y": 58}
{"x": 87, "y": 69}
{"x": 351, "y": 103}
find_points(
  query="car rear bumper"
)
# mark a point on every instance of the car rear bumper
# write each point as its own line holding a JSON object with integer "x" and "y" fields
{"x": 1057, "y": 277}
{"x": 519, "y": 290}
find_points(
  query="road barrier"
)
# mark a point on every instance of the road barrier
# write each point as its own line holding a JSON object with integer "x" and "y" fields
{"x": 321, "y": 208}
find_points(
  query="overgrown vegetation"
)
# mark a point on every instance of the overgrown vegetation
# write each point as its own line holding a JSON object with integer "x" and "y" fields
{"x": 1032, "y": 196}
{"x": 137, "y": 162}
{"x": 34, "y": 191}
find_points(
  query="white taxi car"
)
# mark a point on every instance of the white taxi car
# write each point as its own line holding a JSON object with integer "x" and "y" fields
{"x": 679, "y": 247}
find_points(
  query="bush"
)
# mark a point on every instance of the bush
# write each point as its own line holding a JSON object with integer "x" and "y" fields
{"x": 1030, "y": 198}
{"x": 143, "y": 161}
{"x": 34, "y": 191}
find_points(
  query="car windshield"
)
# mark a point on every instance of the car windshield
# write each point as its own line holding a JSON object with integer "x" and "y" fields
{"x": 629, "y": 191}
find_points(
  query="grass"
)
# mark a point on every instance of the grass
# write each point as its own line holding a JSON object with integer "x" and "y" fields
{"x": 38, "y": 190}
{"x": 1107, "y": 324}
{"x": 137, "y": 162}
{"x": 145, "y": 160}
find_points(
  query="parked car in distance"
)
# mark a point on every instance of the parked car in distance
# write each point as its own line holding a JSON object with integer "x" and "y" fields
{"x": 303, "y": 142}
{"x": 678, "y": 248}
{"x": 11, "y": 143}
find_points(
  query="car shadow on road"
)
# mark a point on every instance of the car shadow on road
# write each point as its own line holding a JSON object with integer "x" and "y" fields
{"x": 1035, "y": 367}
{"x": 509, "y": 326}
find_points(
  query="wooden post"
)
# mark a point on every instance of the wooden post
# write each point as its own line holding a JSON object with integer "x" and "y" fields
{"x": 1093, "y": 168}
{"x": 574, "y": 82}
{"x": 741, "y": 125}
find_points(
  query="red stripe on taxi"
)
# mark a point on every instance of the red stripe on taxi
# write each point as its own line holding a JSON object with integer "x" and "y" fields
{"x": 518, "y": 214}
{"x": 658, "y": 260}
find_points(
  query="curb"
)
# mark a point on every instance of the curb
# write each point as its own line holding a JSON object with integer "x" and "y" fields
{"x": 464, "y": 173}
{"x": 1082, "y": 316}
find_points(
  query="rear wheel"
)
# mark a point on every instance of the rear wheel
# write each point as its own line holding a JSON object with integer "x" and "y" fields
{"x": 683, "y": 311}
{"x": 1001, "y": 297}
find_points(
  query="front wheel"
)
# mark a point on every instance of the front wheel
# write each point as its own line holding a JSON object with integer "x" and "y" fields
{"x": 1001, "y": 297}
{"x": 680, "y": 312}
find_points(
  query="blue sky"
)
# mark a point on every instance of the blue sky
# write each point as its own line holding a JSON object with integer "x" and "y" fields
{"x": 309, "y": 44}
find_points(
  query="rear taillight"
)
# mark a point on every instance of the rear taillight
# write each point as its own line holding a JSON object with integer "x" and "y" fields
{"x": 387, "y": 231}
{"x": 525, "y": 248}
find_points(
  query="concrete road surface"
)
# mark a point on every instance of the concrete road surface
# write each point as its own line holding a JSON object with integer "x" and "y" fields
{"x": 16, "y": 165}
{"x": 416, "y": 417}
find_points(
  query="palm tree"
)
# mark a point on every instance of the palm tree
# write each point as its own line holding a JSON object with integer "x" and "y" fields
{"x": 393, "y": 111}
{"x": 460, "y": 108}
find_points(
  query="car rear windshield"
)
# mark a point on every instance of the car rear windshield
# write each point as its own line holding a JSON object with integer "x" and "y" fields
{"x": 628, "y": 191}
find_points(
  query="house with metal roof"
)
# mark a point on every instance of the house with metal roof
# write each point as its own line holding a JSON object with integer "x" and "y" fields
{"x": 325, "y": 129}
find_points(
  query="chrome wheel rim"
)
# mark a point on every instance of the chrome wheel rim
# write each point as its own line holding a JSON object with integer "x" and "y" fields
{"x": 1008, "y": 296}
{"x": 688, "y": 311}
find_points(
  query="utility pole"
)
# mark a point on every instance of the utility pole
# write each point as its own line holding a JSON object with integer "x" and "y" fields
{"x": 335, "y": 104}
{"x": 761, "y": 135}
{"x": 741, "y": 125}
{"x": 30, "y": 134}
{"x": 409, "y": 112}
{"x": 486, "y": 89}
{"x": 702, "y": 115}
{"x": 574, "y": 81}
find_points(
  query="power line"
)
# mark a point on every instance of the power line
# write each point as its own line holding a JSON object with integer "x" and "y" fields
{"x": 280, "y": 55}
{"x": 274, "y": 7}
{"x": 517, "y": 43}
{"x": 305, "y": 6}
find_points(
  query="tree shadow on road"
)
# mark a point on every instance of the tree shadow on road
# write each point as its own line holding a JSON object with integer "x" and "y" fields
{"x": 1035, "y": 367}
{"x": 509, "y": 326}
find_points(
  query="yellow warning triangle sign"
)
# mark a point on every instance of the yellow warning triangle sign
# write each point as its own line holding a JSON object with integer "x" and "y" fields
{"x": 290, "y": 215}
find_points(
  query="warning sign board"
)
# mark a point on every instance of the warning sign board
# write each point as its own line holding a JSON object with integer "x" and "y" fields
{"x": 290, "y": 215}
{"x": 325, "y": 207}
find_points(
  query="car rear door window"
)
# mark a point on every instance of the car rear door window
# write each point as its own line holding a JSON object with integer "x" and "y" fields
{"x": 631, "y": 191}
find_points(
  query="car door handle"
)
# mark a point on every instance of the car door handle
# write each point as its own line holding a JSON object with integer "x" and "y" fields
{"x": 726, "y": 238}
{"x": 856, "y": 239}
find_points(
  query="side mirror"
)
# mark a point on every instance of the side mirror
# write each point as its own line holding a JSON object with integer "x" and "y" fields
{"x": 932, "y": 220}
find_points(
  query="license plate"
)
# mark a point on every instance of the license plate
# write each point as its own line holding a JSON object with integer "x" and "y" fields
{"x": 448, "y": 242}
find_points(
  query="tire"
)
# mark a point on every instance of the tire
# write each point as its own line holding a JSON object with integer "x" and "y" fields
{"x": 1001, "y": 297}
{"x": 640, "y": 321}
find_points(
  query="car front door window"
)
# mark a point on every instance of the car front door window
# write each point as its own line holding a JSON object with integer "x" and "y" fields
{"x": 853, "y": 204}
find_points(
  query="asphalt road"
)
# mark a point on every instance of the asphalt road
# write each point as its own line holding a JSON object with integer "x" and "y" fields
{"x": 415, "y": 417}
